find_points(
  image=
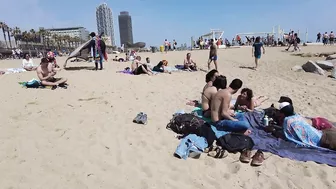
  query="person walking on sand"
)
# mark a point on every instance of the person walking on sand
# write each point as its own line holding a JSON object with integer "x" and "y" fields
{"x": 213, "y": 54}
{"x": 256, "y": 51}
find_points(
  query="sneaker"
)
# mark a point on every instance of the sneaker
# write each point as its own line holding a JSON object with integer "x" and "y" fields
{"x": 245, "y": 156}
{"x": 137, "y": 118}
{"x": 258, "y": 158}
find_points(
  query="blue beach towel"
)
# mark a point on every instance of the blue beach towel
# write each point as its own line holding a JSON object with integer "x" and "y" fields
{"x": 268, "y": 143}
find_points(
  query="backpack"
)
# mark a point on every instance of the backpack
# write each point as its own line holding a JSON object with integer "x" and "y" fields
{"x": 32, "y": 84}
{"x": 298, "y": 40}
{"x": 185, "y": 124}
{"x": 235, "y": 142}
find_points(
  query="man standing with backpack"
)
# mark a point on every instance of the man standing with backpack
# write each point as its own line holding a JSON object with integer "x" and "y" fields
{"x": 97, "y": 48}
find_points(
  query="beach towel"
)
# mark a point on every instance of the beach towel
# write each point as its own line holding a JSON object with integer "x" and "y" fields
{"x": 181, "y": 67}
{"x": 266, "y": 142}
{"x": 14, "y": 70}
{"x": 129, "y": 72}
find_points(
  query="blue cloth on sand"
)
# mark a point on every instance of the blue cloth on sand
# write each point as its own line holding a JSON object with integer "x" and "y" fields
{"x": 191, "y": 143}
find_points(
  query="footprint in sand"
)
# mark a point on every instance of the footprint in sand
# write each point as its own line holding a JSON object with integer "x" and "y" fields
{"x": 210, "y": 162}
{"x": 234, "y": 168}
{"x": 306, "y": 172}
{"x": 147, "y": 171}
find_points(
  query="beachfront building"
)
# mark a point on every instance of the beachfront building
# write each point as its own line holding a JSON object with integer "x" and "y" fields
{"x": 80, "y": 32}
{"x": 105, "y": 22}
{"x": 125, "y": 28}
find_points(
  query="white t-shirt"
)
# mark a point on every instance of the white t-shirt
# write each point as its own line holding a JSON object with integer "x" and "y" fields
{"x": 28, "y": 63}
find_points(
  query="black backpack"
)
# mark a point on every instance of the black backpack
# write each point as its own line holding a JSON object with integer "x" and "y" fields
{"x": 185, "y": 124}
{"x": 298, "y": 40}
{"x": 235, "y": 142}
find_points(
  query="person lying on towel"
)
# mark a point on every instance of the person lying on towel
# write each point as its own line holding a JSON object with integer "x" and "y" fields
{"x": 297, "y": 130}
{"x": 46, "y": 72}
{"x": 139, "y": 68}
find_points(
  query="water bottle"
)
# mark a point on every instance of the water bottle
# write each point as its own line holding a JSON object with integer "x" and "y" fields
{"x": 266, "y": 121}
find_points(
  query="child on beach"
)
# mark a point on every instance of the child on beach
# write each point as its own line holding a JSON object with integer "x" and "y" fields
{"x": 256, "y": 50}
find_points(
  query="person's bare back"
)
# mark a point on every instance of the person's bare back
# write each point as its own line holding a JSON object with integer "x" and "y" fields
{"x": 220, "y": 105}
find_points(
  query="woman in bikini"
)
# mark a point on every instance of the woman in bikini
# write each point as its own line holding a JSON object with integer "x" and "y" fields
{"x": 219, "y": 83}
{"x": 245, "y": 101}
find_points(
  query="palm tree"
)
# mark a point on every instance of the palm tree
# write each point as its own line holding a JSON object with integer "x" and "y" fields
{"x": 26, "y": 37}
{"x": 32, "y": 35}
{"x": 3, "y": 26}
{"x": 16, "y": 33}
{"x": 42, "y": 34}
{"x": 9, "y": 31}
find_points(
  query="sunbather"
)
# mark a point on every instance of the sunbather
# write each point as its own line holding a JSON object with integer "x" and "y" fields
{"x": 319, "y": 123}
{"x": 189, "y": 64}
{"x": 160, "y": 68}
{"x": 210, "y": 92}
{"x": 246, "y": 102}
{"x": 116, "y": 58}
{"x": 139, "y": 68}
{"x": 46, "y": 72}
{"x": 209, "y": 78}
{"x": 27, "y": 63}
{"x": 297, "y": 130}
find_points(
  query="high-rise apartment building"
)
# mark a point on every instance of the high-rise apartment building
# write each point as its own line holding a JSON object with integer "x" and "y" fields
{"x": 105, "y": 21}
{"x": 125, "y": 28}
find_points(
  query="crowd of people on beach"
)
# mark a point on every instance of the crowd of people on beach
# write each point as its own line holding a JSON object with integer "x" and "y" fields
{"x": 326, "y": 38}
{"x": 227, "y": 115}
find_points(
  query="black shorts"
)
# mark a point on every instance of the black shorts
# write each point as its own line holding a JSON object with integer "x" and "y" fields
{"x": 139, "y": 70}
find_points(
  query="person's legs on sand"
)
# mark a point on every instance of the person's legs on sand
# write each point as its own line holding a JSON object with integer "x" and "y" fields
{"x": 209, "y": 62}
{"x": 256, "y": 63}
{"x": 215, "y": 62}
{"x": 101, "y": 61}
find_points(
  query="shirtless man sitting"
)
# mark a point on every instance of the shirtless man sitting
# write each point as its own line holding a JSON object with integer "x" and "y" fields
{"x": 139, "y": 68}
{"x": 222, "y": 115}
{"x": 46, "y": 72}
{"x": 210, "y": 92}
{"x": 189, "y": 63}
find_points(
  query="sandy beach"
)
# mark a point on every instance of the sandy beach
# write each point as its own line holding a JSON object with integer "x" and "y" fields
{"x": 83, "y": 137}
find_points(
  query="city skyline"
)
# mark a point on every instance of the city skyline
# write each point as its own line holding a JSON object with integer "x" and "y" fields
{"x": 125, "y": 28}
{"x": 105, "y": 22}
{"x": 153, "y": 27}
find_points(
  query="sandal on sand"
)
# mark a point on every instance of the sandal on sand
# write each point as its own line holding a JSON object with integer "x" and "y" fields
{"x": 209, "y": 149}
{"x": 143, "y": 119}
{"x": 258, "y": 158}
{"x": 218, "y": 153}
{"x": 137, "y": 118}
{"x": 54, "y": 87}
{"x": 245, "y": 156}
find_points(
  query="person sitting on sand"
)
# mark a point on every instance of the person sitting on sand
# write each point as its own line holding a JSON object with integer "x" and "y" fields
{"x": 210, "y": 92}
{"x": 222, "y": 115}
{"x": 297, "y": 130}
{"x": 160, "y": 68}
{"x": 117, "y": 59}
{"x": 27, "y": 63}
{"x": 51, "y": 59}
{"x": 245, "y": 101}
{"x": 46, "y": 72}
{"x": 139, "y": 68}
{"x": 189, "y": 64}
{"x": 210, "y": 78}
{"x": 148, "y": 63}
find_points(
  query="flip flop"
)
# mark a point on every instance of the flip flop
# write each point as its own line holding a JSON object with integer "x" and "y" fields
{"x": 137, "y": 118}
{"x": 218, "y": 153}
{"x": 143, "y": 119}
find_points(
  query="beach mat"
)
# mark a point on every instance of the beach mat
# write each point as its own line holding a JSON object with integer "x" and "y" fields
{"x": 181, "y": 67}
{"x": 268, "y": 143}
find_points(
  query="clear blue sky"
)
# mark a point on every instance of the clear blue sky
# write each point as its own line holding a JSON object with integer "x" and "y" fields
{"x": 156, "y": 20}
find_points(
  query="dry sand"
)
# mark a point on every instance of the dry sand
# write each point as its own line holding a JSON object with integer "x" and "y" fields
{"x": 83, "y": 137}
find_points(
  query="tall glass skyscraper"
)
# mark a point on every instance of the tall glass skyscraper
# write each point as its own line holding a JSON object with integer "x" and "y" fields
{"x": 125, "y": 28}
{"x": 105, "y": 22}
